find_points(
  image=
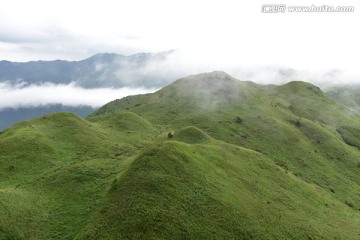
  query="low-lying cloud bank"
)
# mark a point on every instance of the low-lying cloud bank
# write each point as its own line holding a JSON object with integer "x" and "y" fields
{"x": 181, "y": 63}
{"x": 23, "y": 95}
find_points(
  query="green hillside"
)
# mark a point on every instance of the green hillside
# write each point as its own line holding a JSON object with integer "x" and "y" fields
{"x": 207, "y": 157}
{"x": 55, "y": 169}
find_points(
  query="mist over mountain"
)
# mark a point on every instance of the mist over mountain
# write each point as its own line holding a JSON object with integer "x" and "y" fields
{"x": 348, "y": 96}
{"x": 32, "y": 89}
{"x": 101, "y": 70}
{"x": 155, "y": 70}
{"x": 107, "y": 76}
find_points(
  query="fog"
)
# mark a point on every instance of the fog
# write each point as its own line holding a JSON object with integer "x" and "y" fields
{"x": 113, "y": 80}
{"x": 182, "y": 63}
{"x": 23, "y": 95}
{"x": 158, "y": 72}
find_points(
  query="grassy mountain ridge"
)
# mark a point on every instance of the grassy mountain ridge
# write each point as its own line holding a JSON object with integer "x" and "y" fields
{"x": 64, "y": 163}
{"x": 245, "y": 161}
{"x": 203, "y": 191}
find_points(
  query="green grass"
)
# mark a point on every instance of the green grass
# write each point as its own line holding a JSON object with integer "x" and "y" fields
{"x": 350, "y": 135}
{"x": 288, "y": 169}
{"x": 176, "y": 190}
{"x": 67, "y": 164}
{"x": 192, "y": 135}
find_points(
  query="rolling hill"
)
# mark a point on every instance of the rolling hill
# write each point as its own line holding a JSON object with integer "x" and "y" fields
{"x": 10, "y": 116}
{"x": 243, "y": 161}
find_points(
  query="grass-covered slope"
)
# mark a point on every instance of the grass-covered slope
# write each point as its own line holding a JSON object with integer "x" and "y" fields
{"x": 243, "y": 161}
{"x": 175, "y": 190}
{"x": 295, "y": 125}
{"x": 56, "y": 168}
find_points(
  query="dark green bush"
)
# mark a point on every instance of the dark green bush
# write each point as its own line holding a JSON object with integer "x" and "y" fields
{"x": 239, "y": 120}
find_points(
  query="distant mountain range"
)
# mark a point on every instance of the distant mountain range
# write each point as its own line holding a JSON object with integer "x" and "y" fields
{"x": 100, "y": 70}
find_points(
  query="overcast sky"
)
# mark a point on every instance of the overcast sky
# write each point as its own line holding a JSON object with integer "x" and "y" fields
{"x": 212, "y": 32}
{"x": 233, "y": 36}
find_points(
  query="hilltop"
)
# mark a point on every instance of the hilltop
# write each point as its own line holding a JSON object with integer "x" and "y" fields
{"x": 243, "y": 161}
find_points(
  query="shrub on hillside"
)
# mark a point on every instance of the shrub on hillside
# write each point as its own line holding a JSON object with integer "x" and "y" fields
{"x": 239, "y": 120}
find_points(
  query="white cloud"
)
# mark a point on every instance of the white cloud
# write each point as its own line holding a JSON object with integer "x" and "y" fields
{"x": 20, "y": 95}
{"x": 224, "y": 31}
{"x": 178, "y": 65}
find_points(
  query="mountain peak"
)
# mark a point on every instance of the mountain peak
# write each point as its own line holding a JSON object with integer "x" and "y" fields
{"x": 210, "y": 82}
{"x": 218, "y": 75}
{"x": 217, "y": 78}
{"x": 103, "y": 57}
{"x": 300, "y": 86}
